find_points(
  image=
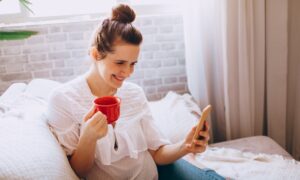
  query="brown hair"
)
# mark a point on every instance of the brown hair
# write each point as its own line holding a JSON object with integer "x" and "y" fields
{"x": 118, "y": 26}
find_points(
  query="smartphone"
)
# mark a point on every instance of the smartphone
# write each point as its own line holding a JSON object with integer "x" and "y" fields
{"x": 200, "y": 126}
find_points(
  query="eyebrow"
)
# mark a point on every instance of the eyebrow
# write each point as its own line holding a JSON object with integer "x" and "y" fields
{"x": 125, "y": 61}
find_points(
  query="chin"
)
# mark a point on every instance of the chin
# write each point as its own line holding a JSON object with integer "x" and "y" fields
{"x": 117, "y": 85}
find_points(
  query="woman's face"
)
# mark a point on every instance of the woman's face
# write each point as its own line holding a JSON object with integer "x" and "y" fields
{"x": 119, "y": 65}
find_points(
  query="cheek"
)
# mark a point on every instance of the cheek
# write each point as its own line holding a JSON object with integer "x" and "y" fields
{"x": 109, "y": 69}
{"x": 115, "y": 69}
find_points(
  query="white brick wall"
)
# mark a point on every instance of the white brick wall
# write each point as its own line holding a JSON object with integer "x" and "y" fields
{"x": 59, "y": 52}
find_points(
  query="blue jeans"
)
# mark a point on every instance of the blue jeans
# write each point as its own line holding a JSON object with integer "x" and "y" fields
{"x": 183, "y": 170}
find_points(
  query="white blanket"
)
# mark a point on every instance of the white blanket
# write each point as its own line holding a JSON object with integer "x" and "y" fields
{"x": 236, "y": 164}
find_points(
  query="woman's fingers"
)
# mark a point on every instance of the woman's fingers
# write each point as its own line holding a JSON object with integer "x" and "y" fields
{"x": 203, "y": 134}
{"x": 192, "y": 132}
{"x": 90, "y": 113}
{"x": 98, "y": 116}
{"x": 200, "y": 142}
{"x": 102, "y": 127}
{"x": 95, "y": 124}
{"x": 102, "y": 120}
{"x": 207, "y": 126}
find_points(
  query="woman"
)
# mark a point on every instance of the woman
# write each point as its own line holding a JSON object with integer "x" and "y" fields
{"x": 88, "y": 140}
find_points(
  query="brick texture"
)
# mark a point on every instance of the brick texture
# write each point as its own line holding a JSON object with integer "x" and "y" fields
{"x": 60, "y": 52}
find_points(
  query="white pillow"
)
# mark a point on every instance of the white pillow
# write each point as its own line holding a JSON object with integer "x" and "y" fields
{"x": 28, "y": 149}
{"x": 175, "y": 115}
{"x": 41, "y": 88}
{"x": 12, "y": 92}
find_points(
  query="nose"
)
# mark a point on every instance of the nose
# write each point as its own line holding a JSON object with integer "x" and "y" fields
{"x": 126, "y": 71}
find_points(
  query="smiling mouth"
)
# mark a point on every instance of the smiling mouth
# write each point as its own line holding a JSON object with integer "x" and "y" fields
{"x": 119, "y": 78}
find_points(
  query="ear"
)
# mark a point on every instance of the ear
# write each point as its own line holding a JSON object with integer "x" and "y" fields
{"x": 94, "y": 53}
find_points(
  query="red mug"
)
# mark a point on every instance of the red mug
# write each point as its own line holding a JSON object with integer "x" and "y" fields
{"x": 110, "y": 106}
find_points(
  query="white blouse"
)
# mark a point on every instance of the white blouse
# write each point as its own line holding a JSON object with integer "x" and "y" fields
{"x": 135, "y": 130}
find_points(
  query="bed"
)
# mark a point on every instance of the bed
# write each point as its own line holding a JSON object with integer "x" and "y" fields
{"x": 28, "y": 150}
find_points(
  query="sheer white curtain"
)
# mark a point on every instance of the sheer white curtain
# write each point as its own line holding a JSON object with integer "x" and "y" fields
{"x": 203, "y": 50}
{"x": 236, "y": 60}
{"x": 225, "y": 63}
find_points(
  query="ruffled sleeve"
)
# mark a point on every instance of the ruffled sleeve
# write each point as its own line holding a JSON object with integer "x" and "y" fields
{"x": 62, "y": 122}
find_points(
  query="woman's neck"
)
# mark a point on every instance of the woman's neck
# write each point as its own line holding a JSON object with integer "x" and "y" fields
{"x": 97, "y": 85}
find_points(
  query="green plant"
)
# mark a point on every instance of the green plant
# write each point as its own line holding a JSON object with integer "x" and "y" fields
{"x": 26, "y": 4}
{"x": 18, "y": 34}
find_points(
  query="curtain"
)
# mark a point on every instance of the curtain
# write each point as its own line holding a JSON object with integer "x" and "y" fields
{"x": 293, "y": 105}
{"x": 244, "y": 61}
{"x": 237, "y": 61}
{"x": 204, "y": 66}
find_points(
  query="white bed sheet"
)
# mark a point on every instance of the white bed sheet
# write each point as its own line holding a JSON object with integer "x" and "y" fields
{"x": 236, "y": 164}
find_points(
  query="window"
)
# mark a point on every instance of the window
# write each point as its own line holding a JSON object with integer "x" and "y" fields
{"x": 43, "y": 8}
{"x": 11, "y": 11}
{"x": 147, "y": 2}
{"x": 9, "y": 7}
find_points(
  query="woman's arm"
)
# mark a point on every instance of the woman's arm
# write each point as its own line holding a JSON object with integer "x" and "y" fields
{"x": 169, "y": 153}
{"x": 94, "y": 128}
{"x": 82, "y": 159}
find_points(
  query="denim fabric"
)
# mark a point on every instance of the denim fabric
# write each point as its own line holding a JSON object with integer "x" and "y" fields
{"x": 182, "y": 170}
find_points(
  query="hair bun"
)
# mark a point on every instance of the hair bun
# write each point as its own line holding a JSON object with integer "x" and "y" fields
{"x": 123, "y": 13}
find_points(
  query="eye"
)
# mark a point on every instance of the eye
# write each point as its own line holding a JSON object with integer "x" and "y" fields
{"x": 133, "y": 64}
{"x": 120, "y": 62}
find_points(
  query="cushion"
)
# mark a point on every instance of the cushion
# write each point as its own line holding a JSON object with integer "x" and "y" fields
{"x": 12, "y": 92}
{"x": 28, "y": 149}
{"x": 175, "y": 115}
{"x": 41, "y": 88}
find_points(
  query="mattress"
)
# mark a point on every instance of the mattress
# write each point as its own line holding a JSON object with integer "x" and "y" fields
{"x": 257, "y": 157}
{"x": 255, "y": 144}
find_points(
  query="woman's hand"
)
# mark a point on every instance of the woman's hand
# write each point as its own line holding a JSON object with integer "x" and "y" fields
{"x": 199, "y": 144}
{"x": 167, "y": 154}
{"x": 94, "y": 125}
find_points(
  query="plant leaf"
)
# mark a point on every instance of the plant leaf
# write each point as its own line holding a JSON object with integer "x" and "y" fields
{"x": 26, "y": 4}
{"x": 16, "y": 35}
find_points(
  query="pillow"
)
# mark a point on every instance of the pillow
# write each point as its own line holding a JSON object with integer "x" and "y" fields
{"x": 12, "y": 92}
{"x": 41, "y": 88}
{"x": 28, "y": 149}
{"x": 175, "y": 115}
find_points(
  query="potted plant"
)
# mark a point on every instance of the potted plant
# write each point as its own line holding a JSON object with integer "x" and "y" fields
{"x": 18, "y": 34}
